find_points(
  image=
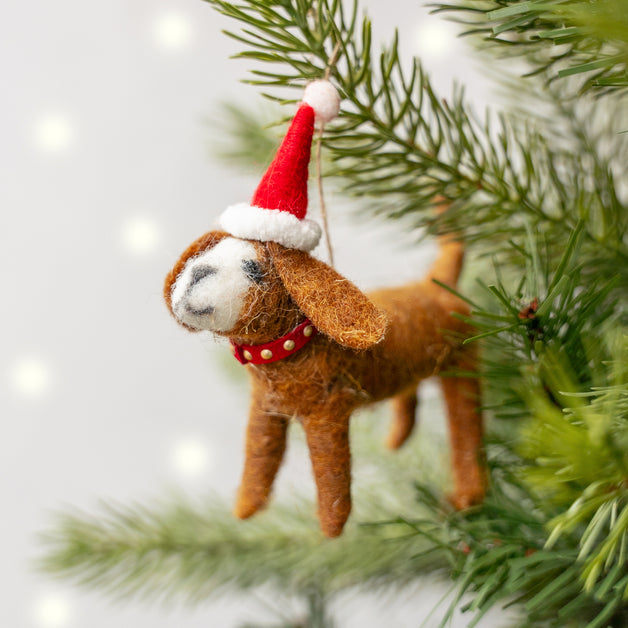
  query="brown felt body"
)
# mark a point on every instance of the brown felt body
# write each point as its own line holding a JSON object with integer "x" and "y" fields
{"x": 371, "y": 347}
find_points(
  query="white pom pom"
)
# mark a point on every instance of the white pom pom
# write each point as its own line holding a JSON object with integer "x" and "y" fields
{"x": 324, "y": 99}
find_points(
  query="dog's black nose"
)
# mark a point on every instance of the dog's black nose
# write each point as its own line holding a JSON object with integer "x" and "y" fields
{"x": 207, "y": 310}
{"x": 200, "y": 272}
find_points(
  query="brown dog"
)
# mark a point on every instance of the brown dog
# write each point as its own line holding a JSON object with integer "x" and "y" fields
{"x": 367, "y": 349}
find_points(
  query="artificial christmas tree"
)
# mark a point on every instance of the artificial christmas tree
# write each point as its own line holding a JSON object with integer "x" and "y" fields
{"x": 543, "y": 197}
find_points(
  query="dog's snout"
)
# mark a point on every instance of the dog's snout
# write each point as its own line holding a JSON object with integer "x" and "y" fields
{"x": 211, "y": 290}
{"x": 200, "y": 272}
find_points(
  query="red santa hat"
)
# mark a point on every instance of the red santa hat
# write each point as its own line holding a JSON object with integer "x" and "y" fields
{"x": 279, "y": 206}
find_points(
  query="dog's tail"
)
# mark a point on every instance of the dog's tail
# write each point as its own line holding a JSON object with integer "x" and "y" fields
{"x": 448, "y": 263}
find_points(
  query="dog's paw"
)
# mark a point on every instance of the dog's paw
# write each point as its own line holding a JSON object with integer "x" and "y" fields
{"x": 463, "y": 499}
{"x": 247, "y": 507}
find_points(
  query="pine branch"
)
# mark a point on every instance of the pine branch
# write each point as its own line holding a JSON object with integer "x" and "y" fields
{"x": 185, "y": 551}
{"x": 560, "y": 361}
{"x": 400, "y": 143}
{"x": 246, "y": 140}
{"x": 561, "y": 38}
{"x": 180, "y": 551}
{"x": 587, "y": 459}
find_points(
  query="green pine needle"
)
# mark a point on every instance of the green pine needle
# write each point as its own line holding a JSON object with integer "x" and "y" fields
{"x": 593, "y": 37}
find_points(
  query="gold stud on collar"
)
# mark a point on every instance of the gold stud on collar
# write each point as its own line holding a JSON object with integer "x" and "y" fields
{"x": 307, "y": 331}
{"x": 247, "y": 355}
{"x": 289, "y": 345}
{"x": 267, "y": 354}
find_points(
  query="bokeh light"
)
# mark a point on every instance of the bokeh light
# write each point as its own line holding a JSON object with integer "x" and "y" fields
{"x": 31, "y": 377}
{"x": 172, "y": 31}
{"x": 436, "y": 39}
{"x": 52, "y": 610}
{"x": 190, "y": 457}
{"x": 140, "y": 235}
{"x": 53, "y": 133}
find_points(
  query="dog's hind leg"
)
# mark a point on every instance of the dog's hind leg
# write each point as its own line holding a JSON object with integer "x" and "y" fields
{"x": 404, "y": 417}
{"x": 462, "y": 396}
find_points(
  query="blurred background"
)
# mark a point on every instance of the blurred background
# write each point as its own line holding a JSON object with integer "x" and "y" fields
{"x": 107, "y": 116}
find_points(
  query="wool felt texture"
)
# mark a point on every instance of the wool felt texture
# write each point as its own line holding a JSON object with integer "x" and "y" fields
{"x": 214, "y": 285}
{"x": 279, "y": 205}
{"x": 202, "y": 244}
{"x": 322, "y": 96}
{"x": 284, "y": 185}
{"x": 370, "y": 348}
{"x": 255, "y": 223}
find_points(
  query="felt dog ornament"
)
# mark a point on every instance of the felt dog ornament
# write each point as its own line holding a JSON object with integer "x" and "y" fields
{"x": 315, "y": 346}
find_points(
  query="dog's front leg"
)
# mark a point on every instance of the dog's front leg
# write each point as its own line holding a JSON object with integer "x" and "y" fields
{"x": 328, "y": 441}
{"x": 265, "y": 445}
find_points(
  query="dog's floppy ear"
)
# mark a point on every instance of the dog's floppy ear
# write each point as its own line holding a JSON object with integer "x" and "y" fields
{"x": 203, "y": 243}
{"x": 337, "y": 308}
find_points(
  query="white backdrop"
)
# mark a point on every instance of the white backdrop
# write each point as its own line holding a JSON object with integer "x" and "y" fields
{"x": 106, "y": 177}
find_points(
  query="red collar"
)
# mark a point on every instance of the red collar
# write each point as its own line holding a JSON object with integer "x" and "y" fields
{"x": 276, "y": 349}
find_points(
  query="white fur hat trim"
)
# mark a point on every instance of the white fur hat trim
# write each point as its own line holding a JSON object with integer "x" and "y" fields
{"x": 257, "y": 223}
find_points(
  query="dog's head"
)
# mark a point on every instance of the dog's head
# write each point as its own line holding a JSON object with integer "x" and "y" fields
{"x": 256, "y": 291}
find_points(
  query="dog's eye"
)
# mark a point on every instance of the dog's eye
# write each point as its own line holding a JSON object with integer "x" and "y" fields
{"x": 253, "y": 270}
